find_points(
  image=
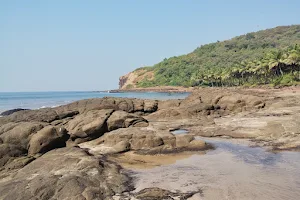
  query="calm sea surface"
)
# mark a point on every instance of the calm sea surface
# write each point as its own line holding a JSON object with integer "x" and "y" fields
{"x": 34, "y": 100}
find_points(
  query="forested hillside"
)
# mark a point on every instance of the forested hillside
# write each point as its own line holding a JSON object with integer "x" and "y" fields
{"x": 265, "y": 57}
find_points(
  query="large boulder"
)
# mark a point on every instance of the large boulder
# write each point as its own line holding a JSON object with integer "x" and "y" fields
{"x": 47, "y": 139}
{"x": 66, "y": 173}
{"x": 19, "y": 133}
{"x": 143, "y": 141}
{"x": 89, "y": 125}
{"x": 122, "y": 119}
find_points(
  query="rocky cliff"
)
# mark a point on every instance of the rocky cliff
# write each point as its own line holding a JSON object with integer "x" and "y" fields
{"x": 132, "y": 79}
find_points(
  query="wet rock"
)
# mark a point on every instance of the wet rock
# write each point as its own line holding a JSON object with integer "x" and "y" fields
{"x": 47, "y": 139}
{"x": 158, "y": 193}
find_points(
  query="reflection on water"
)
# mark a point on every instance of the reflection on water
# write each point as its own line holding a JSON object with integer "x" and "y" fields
{"x": 251, "y": 155}
{"x": 232, "y": 171}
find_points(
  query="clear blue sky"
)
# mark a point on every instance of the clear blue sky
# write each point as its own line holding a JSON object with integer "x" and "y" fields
{"x": 64, "y": 45}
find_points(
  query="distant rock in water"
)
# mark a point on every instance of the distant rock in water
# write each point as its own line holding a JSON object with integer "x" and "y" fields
{"x": 9, "y": 112}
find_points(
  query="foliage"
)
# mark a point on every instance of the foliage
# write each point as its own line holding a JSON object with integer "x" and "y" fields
{"x": 129, "y": 86}
{"x": 255, "y": 58}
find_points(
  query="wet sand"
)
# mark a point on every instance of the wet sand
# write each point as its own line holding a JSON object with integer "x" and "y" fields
{"x": 130, "y": 160}
{"x": 232, "y": 171}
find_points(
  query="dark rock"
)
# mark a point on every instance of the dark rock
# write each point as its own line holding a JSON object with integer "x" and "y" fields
{"x": 8, "y": 152}
{"x": 47, "y": 139}
{"x": 9, "y": 112}
{"x": 121, "y": 119}
{"x": 158, "y": 193}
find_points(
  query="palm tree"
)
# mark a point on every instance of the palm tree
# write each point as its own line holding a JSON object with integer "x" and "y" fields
{"x": 293, "y": 58}
{"x": 276, "y": 61}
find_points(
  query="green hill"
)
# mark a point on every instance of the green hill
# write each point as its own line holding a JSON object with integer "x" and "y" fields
{"x": 263, "y": 57}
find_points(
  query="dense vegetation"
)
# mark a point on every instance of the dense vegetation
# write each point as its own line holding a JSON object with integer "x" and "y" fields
{"x": 266, "y": 57}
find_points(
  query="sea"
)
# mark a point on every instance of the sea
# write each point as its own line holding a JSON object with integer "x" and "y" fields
{"x": 36, "y": 100}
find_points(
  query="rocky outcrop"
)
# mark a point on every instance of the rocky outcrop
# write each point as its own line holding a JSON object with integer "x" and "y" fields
{"x": 121, "y": 119}
{"x": 130, "y": 105}
{"x": 47, "y": 139}
{"x": 38, "y": 158}
{"x": 94, "y": 123}
{"x": 46, "y": 115}
{"x": 208, "y": 101}
{"x": 89, "y": 125}
{"x": 144, "y": 141}
{"x": 67, "y": 173}
{"x": 19, "y": 134}
{"x": 158, "y": 193}
{"x": 131, "y": 79}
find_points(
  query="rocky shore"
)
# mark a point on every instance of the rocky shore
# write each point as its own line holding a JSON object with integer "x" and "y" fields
{"x": 79, "y": 150}
{"x": 169, "y": 89}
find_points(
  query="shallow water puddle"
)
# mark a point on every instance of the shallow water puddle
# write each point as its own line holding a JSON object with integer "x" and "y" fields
{"x": 232, "y": 171}
{"x": 179, "y": 131}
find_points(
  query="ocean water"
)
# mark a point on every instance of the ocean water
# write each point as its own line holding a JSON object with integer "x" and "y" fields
{"x": 35, "y": 100}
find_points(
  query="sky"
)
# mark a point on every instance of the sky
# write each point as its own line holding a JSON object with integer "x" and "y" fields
{"x": 73, "y": 45}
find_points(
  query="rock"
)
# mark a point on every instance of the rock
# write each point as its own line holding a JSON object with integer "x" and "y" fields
{"x": 66, "y": 173}
{"x": 125, "y": 105}
{"x": 197, "y": 144}
{"x": 9, "y": 112}
{"x": 183, "y": 140}
{"x": 171, "y": 113}
{"x": 40, "y": 115}
{"x": 143, "y": 141}
{"x": 150, "y": 106}
{"x": 168, "y": 104}
{"x": 18, "y": 163}
{"x": 89, "y": 125}
{"x": 138, "y": 139}
{"x": 138, "y": 105}
{"x": 158, "y": 193}
{"x": 121, "y": 119}
{"x": 8, "y": 152}
{"x": 121, "y": 147}
{"x": 130, "y": 105}
{"x": 47, "y": 139}
{"x": 19, "y": 133}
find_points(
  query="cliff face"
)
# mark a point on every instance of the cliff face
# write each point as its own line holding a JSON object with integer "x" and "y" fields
{"x": 132, "y": 79}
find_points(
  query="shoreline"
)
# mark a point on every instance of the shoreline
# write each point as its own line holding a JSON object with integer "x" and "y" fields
{"x": 162, "y": 89}
{"x": 128, "y": 133}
